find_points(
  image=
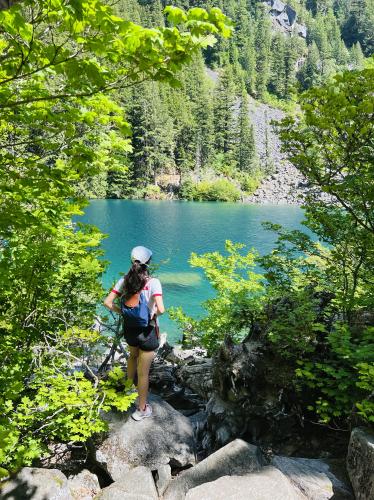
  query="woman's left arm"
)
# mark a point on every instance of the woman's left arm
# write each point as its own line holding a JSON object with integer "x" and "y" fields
{"x": 109, "y": 302}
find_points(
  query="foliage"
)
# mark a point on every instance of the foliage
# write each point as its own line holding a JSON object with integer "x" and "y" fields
{"x": 57, "y": 131}
{"x": 237, "y": 305}
{"x": 346, "y": 379}
{"x": 250, "y": 182}
{"x": 58, "y": 406}
{"x": 219, "y": 190}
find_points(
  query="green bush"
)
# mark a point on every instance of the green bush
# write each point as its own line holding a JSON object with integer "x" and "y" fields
{"x": 219, "y": 190}
{"x": 250, "y": 182}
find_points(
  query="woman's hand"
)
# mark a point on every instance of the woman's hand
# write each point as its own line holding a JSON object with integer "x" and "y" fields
{"x": 109, "y": 303}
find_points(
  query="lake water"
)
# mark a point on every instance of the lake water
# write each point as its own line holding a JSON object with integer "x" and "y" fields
{"x": 174, "y": 229}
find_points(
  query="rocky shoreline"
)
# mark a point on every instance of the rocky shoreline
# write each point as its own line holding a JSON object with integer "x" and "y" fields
{"x": 220, "y": 430}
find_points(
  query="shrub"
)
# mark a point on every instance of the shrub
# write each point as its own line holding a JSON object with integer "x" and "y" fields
{"x": 219, "y": 190}
{"x": 249, "y": 183}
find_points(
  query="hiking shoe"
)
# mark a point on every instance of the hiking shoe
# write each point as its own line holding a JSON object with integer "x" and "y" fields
{"x": 140, "y": 414}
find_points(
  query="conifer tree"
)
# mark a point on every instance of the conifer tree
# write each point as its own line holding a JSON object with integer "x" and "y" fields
{"x": 248, "y": 61}
{"x": 356, "y": 56}
{"x": 246, "y": 149}
{"x": 294, "y": 48}
{"x": 310, "y": 73}
{"x": 153, "y": 138}
{"x": 277, "y": 81}
{"x": 262, "y": 44}
{"x": 224, "y": 121}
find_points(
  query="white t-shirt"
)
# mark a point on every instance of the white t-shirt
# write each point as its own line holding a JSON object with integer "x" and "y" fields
{"x": 152, "y": 289}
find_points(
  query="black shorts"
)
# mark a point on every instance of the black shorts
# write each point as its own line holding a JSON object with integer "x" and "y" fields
{"x": 146, "y": 340}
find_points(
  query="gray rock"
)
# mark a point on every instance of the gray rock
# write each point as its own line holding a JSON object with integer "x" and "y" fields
{"x": 236, "y": 458}
{"x": 84, "y": 486}
{"x": 136, "y": 484}
{"x": 197, "y": 376}
{"x": 313, "y": 478}
{"x": 163, "y": 478}
{"x": 181, "y": 356}
{"x": 152, "y": 442}
{"x": 360, "y": 463}
{"x": 268, "y": 483}
{"x": 38, "y": 484}
{"x": 116, "y": 492}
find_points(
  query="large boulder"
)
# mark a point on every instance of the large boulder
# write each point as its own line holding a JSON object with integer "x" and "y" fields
{"x": 360, "y": 463}
{"x": 313, "y": 478}
{"x": 236, "y": 458}
{"x": 83, "y": 486}
{"x": 268, "y": 483}
{"x": 136, "y": 484}
{"x": 166, "y": 437}
{"x": 38, "y": 484}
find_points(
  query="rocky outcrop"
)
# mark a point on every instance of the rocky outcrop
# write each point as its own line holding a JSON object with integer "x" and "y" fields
{"x": 153, "y": 442}
{"x": 284, "y": 18}
{"x": 136, "y": 484}
{"x": 313, "y": 478}
{"x": 267, "y": 483}
{"x": 236, "y": 458}
{"x": 285, "y": 184}
{"x": 38, "y": 484}
{"x": 360, "y": 463}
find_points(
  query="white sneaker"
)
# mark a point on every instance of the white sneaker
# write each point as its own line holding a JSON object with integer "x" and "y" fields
{"x": 140, "y": 414}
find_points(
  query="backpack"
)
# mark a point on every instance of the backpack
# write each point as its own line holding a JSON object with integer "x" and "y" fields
{"x": 136, "y": 317}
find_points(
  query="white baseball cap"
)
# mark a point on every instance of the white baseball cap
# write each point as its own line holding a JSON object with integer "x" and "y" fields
{"x": 142, "y": 254}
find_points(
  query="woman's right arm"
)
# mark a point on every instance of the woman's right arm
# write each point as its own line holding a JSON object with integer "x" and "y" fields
{"x": 109, "y": 302}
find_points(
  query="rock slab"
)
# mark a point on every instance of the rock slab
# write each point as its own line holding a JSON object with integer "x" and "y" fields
{"x": 84, "y": 486}
{"x": 313, "y": 478}
{"x": 38, "y": 484}
{"x": 360, "y": 463}
{"x": 236, "y": 458}
{"x": 152, "y": 442}
{"x": 266, "y": 484}
{"x": 137, "y": 484}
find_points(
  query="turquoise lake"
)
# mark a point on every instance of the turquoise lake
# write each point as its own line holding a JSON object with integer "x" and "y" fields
{"x": 174, "y": 229}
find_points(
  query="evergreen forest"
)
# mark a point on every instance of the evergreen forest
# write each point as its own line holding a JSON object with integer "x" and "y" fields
{"x": 196, "y": 141}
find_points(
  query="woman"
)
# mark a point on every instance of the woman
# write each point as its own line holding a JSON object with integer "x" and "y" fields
{"x": 136, "y": 287}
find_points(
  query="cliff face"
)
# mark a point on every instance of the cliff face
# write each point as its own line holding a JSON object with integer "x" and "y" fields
{"x": 284, "y": 18}
{"x": 285, "y": 184}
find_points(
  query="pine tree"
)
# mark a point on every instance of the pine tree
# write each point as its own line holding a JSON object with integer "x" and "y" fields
{"x": 262, "y": 44}
{"x": 248, "y": 62}
{"x": 153, "y": 138}
{"x": 295, "y": 46}
{"x": 277, "y": 80}
{"x": 246, "y": 149}
{"x": 310, "y": 73}
{"x": 356, "y": 56}
{"x": 224, "y": 121}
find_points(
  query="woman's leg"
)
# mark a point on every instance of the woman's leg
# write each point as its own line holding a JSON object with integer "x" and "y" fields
{"x": 132, "y": 362}
{"x": 144, "y": 363}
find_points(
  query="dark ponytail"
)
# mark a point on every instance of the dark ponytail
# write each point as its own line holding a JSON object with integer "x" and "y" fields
{"x": 135, "y": 279}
